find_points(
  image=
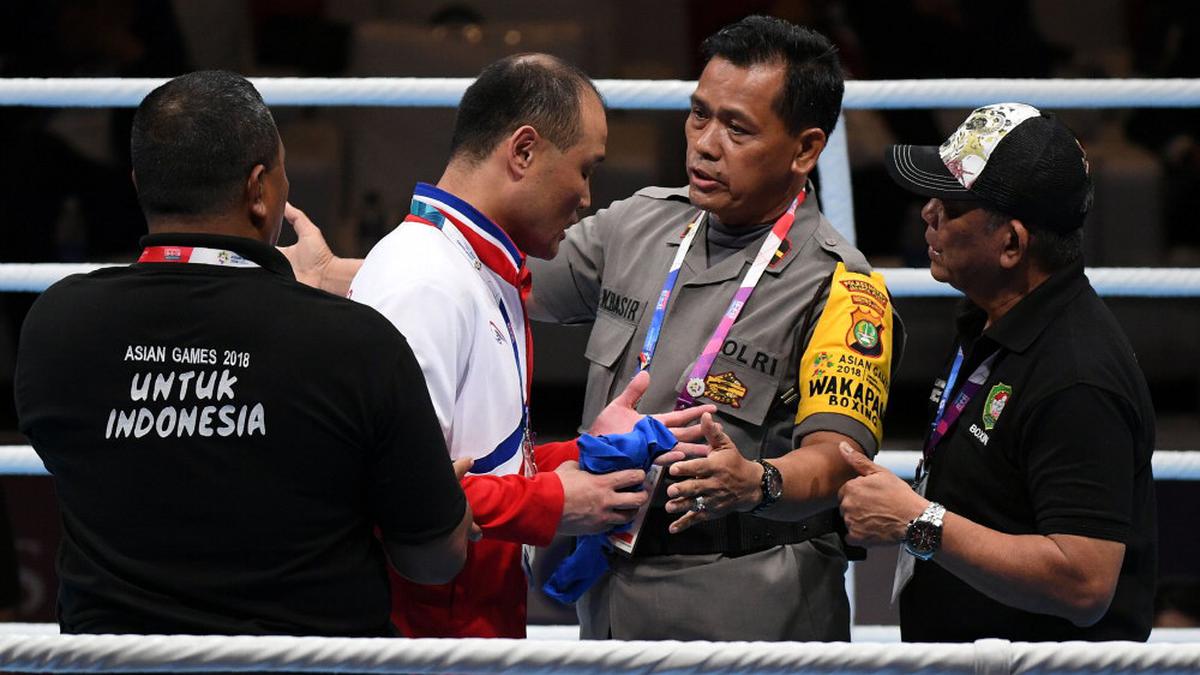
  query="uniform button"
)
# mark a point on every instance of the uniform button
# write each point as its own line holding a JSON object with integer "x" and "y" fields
{"x": 831, "y": 241}
{"x": 804, "y": 528}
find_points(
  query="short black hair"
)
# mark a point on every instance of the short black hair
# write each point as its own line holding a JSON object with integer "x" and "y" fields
{"x": 540, "y": 90}
{"x": 1051, "y": 249}
{"x": 1055, "y": 250}
{"x": 813, "y": 82}
{"x": 196, "y": 139}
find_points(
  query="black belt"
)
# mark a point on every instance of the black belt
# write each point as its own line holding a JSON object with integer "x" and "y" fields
{"x": 735, "y": 534}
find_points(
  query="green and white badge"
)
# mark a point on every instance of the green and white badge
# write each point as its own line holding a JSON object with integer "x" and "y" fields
{"x": 997, "y": 398}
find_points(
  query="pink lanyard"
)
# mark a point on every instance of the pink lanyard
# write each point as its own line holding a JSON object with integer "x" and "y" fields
{"x": 694, "y": 388}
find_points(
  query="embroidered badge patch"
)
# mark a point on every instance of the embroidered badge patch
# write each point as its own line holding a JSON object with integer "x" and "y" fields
{"x": 865, "y": 328}
{"x": 725, "y": 388}
{"x": 994, "y": 405}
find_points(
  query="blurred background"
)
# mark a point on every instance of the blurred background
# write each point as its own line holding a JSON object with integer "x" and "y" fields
{"x": 65, "y": 193}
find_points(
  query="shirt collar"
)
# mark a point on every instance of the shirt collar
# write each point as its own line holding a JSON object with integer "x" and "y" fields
{"x": 1021, "y": 325}
{"x": 808, "y": 216}
{"x": 491, "y": 243}
{"x": 265, "y": 256}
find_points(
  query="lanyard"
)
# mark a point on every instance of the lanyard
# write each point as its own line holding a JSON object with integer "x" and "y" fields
{"x": 695, "y": 381}
{"x": 947, "y": 416}
{"x": 949, "y": 387}
{"x": 193, "y": 254}
{"x": 424, "y": 212}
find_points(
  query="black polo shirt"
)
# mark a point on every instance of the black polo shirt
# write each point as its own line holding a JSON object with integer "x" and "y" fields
{"x": 223, "y": 442}
{"x": 1057, "y": 441}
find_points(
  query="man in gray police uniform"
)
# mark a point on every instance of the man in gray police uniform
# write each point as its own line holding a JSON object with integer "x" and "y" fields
{"x": 765, "y": 104}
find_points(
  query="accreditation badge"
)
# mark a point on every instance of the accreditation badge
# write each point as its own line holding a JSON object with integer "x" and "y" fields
{"x": 626, "y": 540}
{"x": 906, "y": 564}
{"x": 847, "y": 364}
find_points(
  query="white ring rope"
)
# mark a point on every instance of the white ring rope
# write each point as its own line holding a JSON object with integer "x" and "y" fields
{"x": 21, "y": 460}
{"x": 570, "y": 633}
{"x": 629, "y": 94}
{"x": 156, "y": 653}
{"x": 903, "y": 282}
{"x": 37, "y": 277}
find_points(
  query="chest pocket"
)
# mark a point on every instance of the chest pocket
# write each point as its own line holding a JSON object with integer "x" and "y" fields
{"x": 743, "y": 381}
{"x": 607, "y": 343}
{"x": 609, "y": 338}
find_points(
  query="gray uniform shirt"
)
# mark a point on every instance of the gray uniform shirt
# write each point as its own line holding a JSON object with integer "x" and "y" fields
{"x": 610, "y": 271}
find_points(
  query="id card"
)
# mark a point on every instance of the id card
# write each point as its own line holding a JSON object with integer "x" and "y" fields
{"x": 626, "y": 541}
{"x": 906, "y": 564}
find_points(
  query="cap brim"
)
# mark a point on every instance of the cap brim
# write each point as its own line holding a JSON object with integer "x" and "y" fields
{"x": 920, "y": 169}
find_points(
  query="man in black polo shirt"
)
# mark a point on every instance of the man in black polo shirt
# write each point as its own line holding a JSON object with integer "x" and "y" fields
{"x": 1034, "y": 513}
{"x": 225, "y": 440}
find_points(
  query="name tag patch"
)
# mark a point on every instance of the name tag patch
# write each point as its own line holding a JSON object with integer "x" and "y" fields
{"x": 620, "y": 305}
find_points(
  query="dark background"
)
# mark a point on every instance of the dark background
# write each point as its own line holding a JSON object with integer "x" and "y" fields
{"x": 65, "y": 193}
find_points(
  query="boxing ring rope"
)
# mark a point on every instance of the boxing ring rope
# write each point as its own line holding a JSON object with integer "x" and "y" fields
{"x": 1143, "y": 282}
{"x": 21, "y": 460}
{"x": 156, "y": 653}
{"x": 629, "y": 94}
{"x": 37, "y": 649}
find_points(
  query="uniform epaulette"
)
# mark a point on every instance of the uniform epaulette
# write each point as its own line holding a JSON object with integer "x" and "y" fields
{"x": 836, "y": 245}
{"x": 679, "y": 194}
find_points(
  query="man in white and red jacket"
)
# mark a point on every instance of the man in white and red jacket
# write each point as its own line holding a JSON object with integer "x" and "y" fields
{"x": 452, "y": 278}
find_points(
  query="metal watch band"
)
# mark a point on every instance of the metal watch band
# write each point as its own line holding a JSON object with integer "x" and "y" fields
{"x": 923, "y": 538}
{"x": 934, "y": 513}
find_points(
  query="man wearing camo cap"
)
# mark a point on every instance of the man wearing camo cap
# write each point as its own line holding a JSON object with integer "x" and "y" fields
{"x": 1033, "y": 513}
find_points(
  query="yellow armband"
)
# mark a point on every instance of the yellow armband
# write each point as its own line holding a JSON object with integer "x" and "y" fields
{"x": 847, "y": 365}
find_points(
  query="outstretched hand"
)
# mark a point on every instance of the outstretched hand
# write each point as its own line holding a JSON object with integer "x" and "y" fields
{"x": 619, "y": 417}
{"x": 725, "y": 481}
{"x": 310, "y": 256}
{"x": 877, "y": 505}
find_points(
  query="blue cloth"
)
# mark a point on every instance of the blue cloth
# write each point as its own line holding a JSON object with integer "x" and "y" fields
{"x": 604, "y": 454}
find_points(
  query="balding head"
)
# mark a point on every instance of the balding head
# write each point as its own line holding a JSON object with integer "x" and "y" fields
{"x": 537, "y": 90}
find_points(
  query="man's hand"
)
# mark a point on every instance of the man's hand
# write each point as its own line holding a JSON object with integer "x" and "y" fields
{"x": 461, "y": 467}
{"x": 592, "y": 503}
{"x": 313, "y": 263}
{"x": 310, "y": 255}
{"x": 620, "y": 416}
{"x": 724, "y": 480}
{"x": 878, "y": 505}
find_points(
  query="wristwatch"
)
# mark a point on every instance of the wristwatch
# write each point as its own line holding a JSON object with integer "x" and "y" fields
{"x": 924, "y": 535}
{"x": 772, "y": 486}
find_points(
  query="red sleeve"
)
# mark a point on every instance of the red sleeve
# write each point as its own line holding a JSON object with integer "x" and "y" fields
{"x": 515, "y": 508}
{"x": 549, "y": 455}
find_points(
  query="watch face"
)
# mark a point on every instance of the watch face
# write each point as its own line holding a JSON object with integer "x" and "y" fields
{"x": 774, "y": 483}
{"x": 923, "y": 537}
